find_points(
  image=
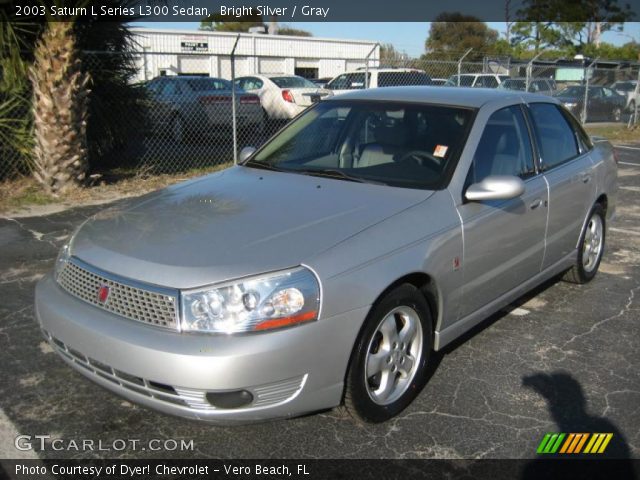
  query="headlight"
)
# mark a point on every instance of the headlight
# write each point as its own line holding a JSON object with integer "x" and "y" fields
{"x": 261, "y": 303}
{"x": 63, "y": 257}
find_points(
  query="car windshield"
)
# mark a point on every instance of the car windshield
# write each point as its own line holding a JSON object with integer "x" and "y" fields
{"x": 624, "y": 87}
{"x": 397, "y": 144}
{"x": 293, "y": 82}
{"x": 465, "y": 80}
{"x": 393, "y": 79}
{"x": 513, "y": 85}
{"x": 571, "y": 92}
{"x": 207, "y": 84}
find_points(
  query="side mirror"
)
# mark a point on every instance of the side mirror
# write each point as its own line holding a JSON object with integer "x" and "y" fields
{"x": 495, "y": 187}
{"x": 245, "y": 153}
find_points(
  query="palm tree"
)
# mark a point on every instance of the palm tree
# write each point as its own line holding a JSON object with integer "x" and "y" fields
{"x": 60, "y": 99}
{"x": 16, "y": 42}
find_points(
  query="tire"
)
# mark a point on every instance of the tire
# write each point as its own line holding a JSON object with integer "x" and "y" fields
{"x": 589, "y": 253}
{"x": 400, "y": 361}
{"x": 616, "y": 114}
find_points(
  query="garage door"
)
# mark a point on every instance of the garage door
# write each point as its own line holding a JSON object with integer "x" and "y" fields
{"x": 193, "y": 65}
{"x": 272, "y": 65}
{"x": 242, "y": 67}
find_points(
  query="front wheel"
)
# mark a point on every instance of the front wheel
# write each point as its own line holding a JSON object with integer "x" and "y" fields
{"x": 388, "y": 365}
{"x": 590, "y": 249}
{"x": 616, "y": 115}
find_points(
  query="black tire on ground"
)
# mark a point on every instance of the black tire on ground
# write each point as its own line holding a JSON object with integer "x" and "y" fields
{"x": 616, "y": 114}
{"x": 358, "y": 397}
{"x": 584, "y": 270}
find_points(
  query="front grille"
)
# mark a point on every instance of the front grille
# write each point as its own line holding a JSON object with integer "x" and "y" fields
{"x": 142, "y": 304}
{"x": 266, "y": 395}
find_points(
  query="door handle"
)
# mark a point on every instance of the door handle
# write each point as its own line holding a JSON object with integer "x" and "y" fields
{"x": 586, "y": 178}
{"x": 535, "y": 204}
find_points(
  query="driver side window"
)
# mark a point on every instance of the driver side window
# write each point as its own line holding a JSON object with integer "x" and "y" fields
{"x": 504, "y": 148}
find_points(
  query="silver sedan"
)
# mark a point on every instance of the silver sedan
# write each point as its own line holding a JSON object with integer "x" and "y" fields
{"x": 374, "y": 229}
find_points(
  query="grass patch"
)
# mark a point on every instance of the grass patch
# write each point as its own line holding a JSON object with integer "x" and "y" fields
{"x": 24, "y": 194}
{"x": 615, "y": 133}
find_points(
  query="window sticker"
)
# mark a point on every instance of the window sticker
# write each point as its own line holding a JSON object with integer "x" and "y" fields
{"x": 440, "y": 151}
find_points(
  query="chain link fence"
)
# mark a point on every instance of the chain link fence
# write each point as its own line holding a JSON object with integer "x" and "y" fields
{"x": 15, "y": 136}
{"x": 195, "y": 110}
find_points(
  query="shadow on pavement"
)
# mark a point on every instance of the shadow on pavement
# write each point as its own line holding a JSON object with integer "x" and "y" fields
{"x": 567, "y": 405}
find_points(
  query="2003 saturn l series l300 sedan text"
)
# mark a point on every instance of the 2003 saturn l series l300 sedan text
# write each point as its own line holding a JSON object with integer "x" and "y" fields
{"x": 375, "y": 228}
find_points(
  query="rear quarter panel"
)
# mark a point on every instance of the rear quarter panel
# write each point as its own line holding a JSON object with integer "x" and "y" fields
{"x": 606, "y": 173}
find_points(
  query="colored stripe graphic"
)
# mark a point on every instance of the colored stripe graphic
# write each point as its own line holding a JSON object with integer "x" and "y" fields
{"x": 573, "y": 443}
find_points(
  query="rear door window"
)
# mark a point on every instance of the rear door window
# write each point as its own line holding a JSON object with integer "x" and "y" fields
{"x": 348, "y": 81}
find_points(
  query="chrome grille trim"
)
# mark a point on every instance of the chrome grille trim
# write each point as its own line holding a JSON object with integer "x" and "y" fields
{"x": 130, "y": 299}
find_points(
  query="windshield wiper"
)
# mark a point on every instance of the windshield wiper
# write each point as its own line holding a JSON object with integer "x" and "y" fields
{"x": 331, "y": 173}
{"x": 264, "y": 166}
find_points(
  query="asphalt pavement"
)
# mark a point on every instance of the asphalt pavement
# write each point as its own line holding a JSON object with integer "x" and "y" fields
{"x": 565, "y": 358}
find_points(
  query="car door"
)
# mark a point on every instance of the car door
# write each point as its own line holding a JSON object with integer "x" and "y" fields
{"x": 596, "y": 104}
{"x": 503, "y": 240}
{"x": 568, "y": 171}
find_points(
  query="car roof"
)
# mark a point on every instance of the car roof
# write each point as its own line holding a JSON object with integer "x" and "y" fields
{"x": 481, "y": 75}
{"x": 384, "y": 70}
{"x": 458, "y": 96}
{"x": 189, "y": 77}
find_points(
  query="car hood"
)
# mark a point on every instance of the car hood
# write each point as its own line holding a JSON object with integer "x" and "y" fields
{"x": 231, "y": 224}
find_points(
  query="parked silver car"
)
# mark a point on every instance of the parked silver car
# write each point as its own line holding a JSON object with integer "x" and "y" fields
{"x": 378, "y": 226}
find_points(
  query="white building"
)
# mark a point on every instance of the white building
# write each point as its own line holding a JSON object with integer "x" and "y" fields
{"x": 189, "y": 52}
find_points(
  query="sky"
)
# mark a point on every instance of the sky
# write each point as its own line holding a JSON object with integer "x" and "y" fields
{"x": 405, "y": 36}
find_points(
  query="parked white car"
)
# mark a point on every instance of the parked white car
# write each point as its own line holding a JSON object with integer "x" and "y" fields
{"x": 476, "y": 80}
{"x": 282, "y": 96}
{"x": 630, "y": 89}
{"x": 378, "y": 77}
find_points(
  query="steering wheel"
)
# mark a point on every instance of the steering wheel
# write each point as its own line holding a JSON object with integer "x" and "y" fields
{"x": 420, "y": 156}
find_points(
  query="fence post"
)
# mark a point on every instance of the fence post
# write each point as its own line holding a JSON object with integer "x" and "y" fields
{"x": 636, "y": 92}
{"x": 583, "y": 117}
{"x": 366, "y": 65}
{"x": 234, "y": 120}
{"x": 529, "y": 70}
{"x": 460, "y": 64}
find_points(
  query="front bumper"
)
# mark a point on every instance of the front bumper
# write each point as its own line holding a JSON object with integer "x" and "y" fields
{"x": 288, "y": 372}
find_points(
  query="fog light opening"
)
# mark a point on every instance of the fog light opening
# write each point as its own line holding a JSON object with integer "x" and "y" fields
{"x": 229, "y": 400}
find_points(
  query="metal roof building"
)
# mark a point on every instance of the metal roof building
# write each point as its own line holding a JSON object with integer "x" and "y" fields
{"x": 196, "y": 52}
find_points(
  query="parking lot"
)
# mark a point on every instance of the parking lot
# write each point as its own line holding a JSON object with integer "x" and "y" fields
{"x": 564, "y": 359}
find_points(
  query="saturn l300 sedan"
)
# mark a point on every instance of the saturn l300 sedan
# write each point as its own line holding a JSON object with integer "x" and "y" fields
{"x": 374, "y": 229}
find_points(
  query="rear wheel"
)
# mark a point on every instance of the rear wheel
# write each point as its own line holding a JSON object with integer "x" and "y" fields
{"x": 388, "y": 365}
{"x": 591, "y": 248}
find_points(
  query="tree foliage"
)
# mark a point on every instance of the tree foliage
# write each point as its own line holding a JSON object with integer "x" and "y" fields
{"x": 230, "y": 23}
{"x": 452, "y": 34}
{"x": 242, "y": 24}
{"x": 549, "y": 23}
{"x": 295, "y": 32}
